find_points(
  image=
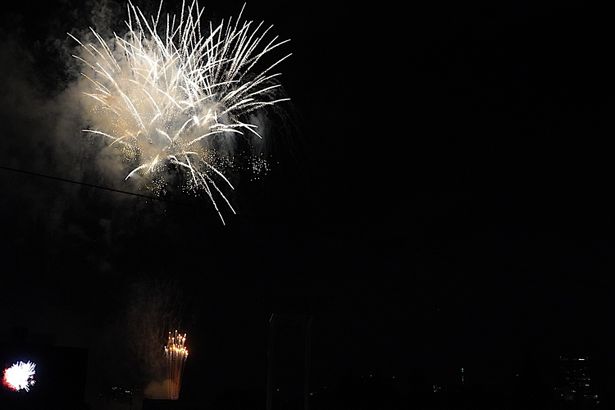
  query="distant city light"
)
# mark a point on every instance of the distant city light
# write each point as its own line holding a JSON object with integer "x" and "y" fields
{"x": 20, "y": 376}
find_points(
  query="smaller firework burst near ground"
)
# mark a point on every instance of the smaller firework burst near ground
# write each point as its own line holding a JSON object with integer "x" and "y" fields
{"x": 20, "y": 376}
{"x": 176, "y": 354}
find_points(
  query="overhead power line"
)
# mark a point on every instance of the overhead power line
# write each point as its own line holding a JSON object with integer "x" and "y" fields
{"x": 86, "y": 184}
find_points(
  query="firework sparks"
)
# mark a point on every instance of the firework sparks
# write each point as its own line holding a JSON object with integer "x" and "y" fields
{"x": 20, "y": 376}
{"x": 168, "y": 90}
{"x": 176, "y": 353}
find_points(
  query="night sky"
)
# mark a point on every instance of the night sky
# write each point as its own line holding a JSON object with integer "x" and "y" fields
{"x": 440, "y": 196}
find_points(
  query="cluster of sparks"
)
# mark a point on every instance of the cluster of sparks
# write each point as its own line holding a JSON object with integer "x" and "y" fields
{"x": 168, "y": 89}
{"x": 176, "y": 354}
{"x": 20, "y": 376}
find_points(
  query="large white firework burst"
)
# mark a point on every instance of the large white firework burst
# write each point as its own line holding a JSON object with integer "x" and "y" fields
{"x": 165, "y": 93}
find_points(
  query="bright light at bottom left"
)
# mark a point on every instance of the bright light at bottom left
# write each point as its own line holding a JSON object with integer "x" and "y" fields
{"x": 19, "y": 376}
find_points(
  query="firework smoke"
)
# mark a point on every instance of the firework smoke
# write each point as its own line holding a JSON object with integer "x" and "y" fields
{"x": 176, "y": 354}
{"x": 171, "y": 92}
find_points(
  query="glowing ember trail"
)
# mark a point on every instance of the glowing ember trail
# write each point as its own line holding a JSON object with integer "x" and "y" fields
{"x": 173, "y": 89}
{"x": 20, "y": 376}
{"x": 176, "y": 353}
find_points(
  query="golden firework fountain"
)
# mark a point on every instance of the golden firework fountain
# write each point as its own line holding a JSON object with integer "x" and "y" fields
{"x": 176, "y": 353}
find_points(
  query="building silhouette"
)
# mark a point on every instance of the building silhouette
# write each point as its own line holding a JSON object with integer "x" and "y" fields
{"x": 288, "y": 362}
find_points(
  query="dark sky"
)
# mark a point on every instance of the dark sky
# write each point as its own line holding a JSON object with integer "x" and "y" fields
{"x": 444, "y": 196}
